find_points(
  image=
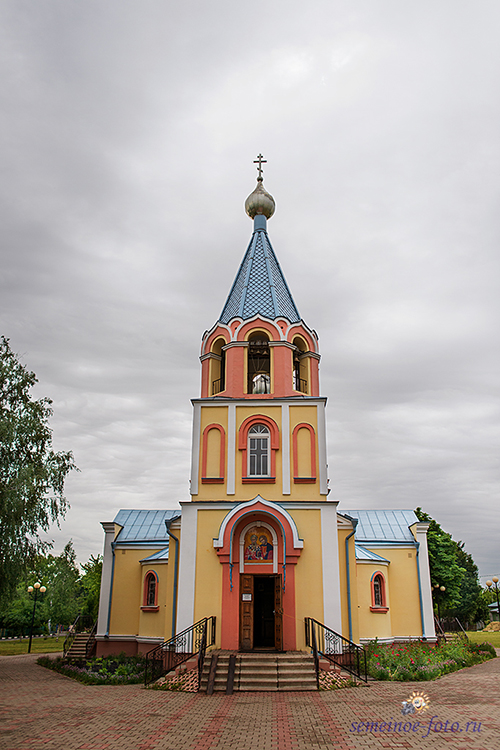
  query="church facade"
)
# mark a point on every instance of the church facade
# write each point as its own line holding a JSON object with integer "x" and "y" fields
{"x": 260, "y": 545}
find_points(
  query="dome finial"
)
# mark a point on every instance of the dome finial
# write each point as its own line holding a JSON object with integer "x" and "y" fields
{"x": 260, "y": 161}
{"x": 260, "y": 202}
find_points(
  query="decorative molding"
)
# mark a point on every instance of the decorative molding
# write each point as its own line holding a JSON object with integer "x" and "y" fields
{"x": 276, "y": 509}
{"x": 222, "y": 453}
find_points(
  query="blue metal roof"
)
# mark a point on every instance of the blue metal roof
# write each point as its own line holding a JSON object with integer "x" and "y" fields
{"x": 365, "y": 554}
{"x": 259, "y": 286}
{"x": 161, "y": 555}
{"x": 383, "y": 525}
{"x": 144, "y": 525}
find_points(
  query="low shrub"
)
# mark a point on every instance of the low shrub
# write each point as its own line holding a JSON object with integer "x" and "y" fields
{"x": 103, "y": 670}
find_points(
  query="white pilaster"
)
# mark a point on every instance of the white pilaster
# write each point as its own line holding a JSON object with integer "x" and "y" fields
{"x": 106, "y": 579}
{"x": 195, "y": 449}
{"x": 187, "y": 567}
{"x": 425, "y": 580}
{"x": 331, "y": 577}
{"x": 323, "y": 473}
{"x": 231, "y": 450}
{"x": 285, "y": 447}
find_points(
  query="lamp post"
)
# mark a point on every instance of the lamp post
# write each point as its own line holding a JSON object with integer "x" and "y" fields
{"x": 36, "y": 588}
{"x": 494, "y": 580}
{"x": 437, "y": 588}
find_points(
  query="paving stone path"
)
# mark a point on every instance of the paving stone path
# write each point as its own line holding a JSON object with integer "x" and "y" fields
{"x": 43, "y": 710}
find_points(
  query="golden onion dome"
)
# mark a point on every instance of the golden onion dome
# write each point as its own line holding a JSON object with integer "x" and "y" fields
{"x": 260, "y": 202}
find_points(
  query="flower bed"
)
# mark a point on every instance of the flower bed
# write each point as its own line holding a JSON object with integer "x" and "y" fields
{"x": 418, "y": 660}
{"x": 109, "y": 670}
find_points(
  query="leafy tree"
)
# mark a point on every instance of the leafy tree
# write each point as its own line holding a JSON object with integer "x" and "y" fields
{"x": 32, "y": 475}
{"x": 61, "y": 577}
{"x": 471, "y": 605}
{"x": 91, "y": 585}
{"x": 444, "y": 567}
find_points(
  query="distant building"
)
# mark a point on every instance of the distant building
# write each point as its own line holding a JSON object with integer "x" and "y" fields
{"x": 260, "y": 545}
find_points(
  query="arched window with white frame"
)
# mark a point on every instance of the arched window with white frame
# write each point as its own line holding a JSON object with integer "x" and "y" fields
{"x": 259, "y": 439}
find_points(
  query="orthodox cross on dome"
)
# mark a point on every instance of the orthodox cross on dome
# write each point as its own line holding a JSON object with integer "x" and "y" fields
{"x": 260, "y": 161}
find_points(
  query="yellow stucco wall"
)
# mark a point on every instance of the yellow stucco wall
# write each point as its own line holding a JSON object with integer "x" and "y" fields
{"x": 308, "y": 571}
{"x": 208, "y": 581}
{"x": 219, "y": 415}
{"x": 127, "y": 593}
{"x": 372, "y": 624}
{"x": 126, "y": 617}
{"x": 342, "y": 535}
{"x": 402, "y": 596}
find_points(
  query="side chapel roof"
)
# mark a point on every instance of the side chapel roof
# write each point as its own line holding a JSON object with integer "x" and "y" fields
{"x": 390, "y": 526}
{"x": 146, "y": 526}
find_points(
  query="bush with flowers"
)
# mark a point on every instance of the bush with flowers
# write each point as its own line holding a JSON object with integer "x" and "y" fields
{"x": 107, "y": 670}
{"x": 419, "y": 660}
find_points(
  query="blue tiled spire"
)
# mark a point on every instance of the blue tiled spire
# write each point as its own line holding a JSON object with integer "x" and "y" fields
{"x": 259, "y": 286}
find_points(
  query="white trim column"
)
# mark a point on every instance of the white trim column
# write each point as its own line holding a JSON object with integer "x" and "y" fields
{"x": 231, "y": 450}
{"x": 331, "y": 575}
{"x": 425, "y": 580}
{"x": 323, "y": 473}
{"x": 285, "y": 448}
{"x": 106, "y": 579}
{"x": 187, "y": 567}
{"x": 195, "y": 449}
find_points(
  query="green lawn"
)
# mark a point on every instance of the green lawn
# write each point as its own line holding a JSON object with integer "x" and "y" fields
{"x": 38, "y": 646}
{"x": 479, "y": 637}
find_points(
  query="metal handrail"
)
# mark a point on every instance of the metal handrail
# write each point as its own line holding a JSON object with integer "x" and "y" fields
{"x": 70, "y": 637}
{"x": 216, "y": 386}
{"x": 337, "y": 649}
{"x": 89, "y": 646}
{"x": 190, "y": 642}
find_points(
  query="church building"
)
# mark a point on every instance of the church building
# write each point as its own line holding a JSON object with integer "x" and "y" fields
{"x": 260, "y": 545}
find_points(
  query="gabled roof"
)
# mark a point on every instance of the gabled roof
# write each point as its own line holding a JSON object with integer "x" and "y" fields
{"x": 365, "y": 554}
{"x": 144, "y": 525}
{"x": 259, "y": 286}
{"x": 383, "y": 525}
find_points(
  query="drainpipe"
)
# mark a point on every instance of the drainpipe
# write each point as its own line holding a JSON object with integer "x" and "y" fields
{"x": 176, "y": 572}
{"x": 422, "y": 619}
{"x": 349, "y": 612}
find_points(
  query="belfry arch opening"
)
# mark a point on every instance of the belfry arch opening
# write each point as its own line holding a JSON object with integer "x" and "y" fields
{"x": 259, "y": 364}
{"x": 300, "y": 365}
{"x": 218, "y": 367}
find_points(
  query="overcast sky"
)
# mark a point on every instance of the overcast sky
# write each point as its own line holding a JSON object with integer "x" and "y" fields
{"x": 128, "y": 132}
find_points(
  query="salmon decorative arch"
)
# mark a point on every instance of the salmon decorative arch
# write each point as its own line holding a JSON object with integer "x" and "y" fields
{"x": 292, "y": 544}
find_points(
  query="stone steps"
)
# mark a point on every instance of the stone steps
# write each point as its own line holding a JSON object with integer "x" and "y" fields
{"x": 78, "y": 649}
{"x": 263, "y": 672}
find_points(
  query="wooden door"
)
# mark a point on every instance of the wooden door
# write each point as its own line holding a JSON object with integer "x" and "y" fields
{"x": 278, "y": 614}
{"x": 246, "y": 612}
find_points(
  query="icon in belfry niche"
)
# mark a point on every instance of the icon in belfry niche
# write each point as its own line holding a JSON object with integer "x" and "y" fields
{"x": 258, "y": 545}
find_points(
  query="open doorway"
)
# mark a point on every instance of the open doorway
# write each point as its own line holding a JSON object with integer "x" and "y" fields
{"x": 261, "y": 612}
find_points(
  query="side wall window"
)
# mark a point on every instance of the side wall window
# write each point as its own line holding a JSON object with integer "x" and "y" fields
{"x": 150, "y": 596}
{"x": 379, "y": 601}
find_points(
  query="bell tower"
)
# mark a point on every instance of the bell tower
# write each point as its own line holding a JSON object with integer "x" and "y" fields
{"x": 260, "y": 418}
{"x": 259, "y": 488}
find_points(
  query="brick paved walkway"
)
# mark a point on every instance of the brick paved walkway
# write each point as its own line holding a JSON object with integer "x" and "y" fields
{"x": 41, "y": 709}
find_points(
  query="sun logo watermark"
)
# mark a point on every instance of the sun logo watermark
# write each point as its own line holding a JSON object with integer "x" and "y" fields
{"x": 417, "y": 703}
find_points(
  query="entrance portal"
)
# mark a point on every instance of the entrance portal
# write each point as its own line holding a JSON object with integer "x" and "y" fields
{"x": 261, "y": 612}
